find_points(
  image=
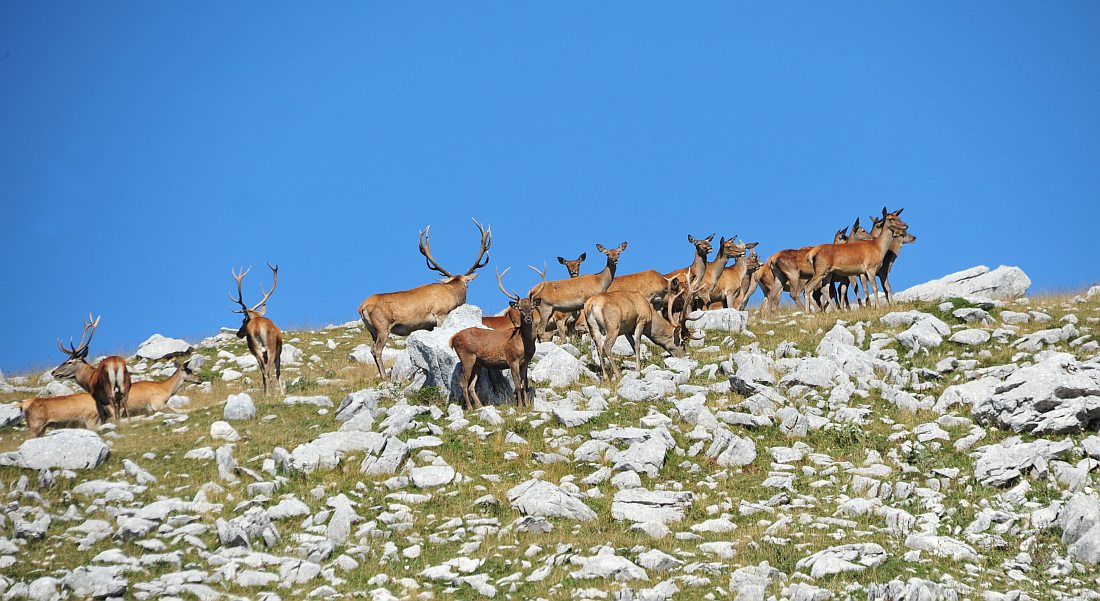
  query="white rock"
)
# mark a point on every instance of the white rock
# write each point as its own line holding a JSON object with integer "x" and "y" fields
{"x": 158, "y": 347}
{"x": 61, "y": 449}
{"x": 720, "y": 320}
{"x": 1002, "y": 282}
{"x": 432, "y": 476}
{"x": 970, "y": 337}
{"x": 220, "y": 430}
{"x": 239, "y": 407}
{"x": 543, "y": 499}
{"x": 844, "y": 558}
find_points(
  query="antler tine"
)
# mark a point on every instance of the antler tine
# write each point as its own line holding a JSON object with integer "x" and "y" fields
{"x": 486, "y": 242}
{"x": 426, "y": 250}
{"x": 85, "y": 337}
{"x": 239, "y": 276}
{"x": 542, "y": 283}
{"x": 500, "y": 282}
{"x": 274, "y": 282}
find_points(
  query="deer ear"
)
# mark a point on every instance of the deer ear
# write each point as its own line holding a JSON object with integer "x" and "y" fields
{"x": 600, "y": 248}
{"x": 752, "y": 245}
{"x": 898, "y": 212}
{"x": 83, "y": 354}
{"x": 622, "y": 247}
{"x": 710, "y": 238}
{"x": 513, "y": 304}
{"x": 537, "y": 301}
{"x": 470, "y": 278}
{"x": 583, "y": 256}
{"x": 261, "y": 311}
{"x": 884, "y": 213}
{"x": 691, "y": 238}
{"x": 561, "y": 260}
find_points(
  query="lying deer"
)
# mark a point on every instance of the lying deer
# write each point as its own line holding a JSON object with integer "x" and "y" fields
{"x": 150, "y": 396}
{"x": 629, "y": 313}
{"x": 108, "y": 382}
{"x": 265, "y": 339}
{"x": 479, "y": 348}
{"x": 78, "y": 409}
{"x": 423, "y": 307}
{"x": 568, "y": 296}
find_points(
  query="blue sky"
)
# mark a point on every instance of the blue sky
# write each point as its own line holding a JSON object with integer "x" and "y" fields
{"x": 147, "y": 147}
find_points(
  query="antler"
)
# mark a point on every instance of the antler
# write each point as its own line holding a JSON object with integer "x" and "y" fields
{"x": 274, "y": 282}
{"x": 426, "y": 250}
{"x": 486, "y": 242}
{"x": 73, "y": 351}
{"x": 500, "y": 282}
{"x": 542, "y": 282}
{"x": 240, "y": 295}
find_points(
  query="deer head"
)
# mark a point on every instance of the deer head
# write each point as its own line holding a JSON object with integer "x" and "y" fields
{"x": 574, "y": 266}
{"x": 732, "y": 248}
{"x": 612, "y": 254}
{"x": 486, "y": 242}
{"x": 77, "y": 354}
{"x": 858, "y": 233}
{"x": 525, "y": 306}
{"x": 702, "y": 245}
{"x": 257, "y": 310}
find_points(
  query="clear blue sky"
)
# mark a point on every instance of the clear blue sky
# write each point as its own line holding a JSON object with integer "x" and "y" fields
{"x": 147, "y": 147}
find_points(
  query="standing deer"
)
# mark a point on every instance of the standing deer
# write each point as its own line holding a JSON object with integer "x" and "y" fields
{"x": 716, "y": 269}
{"x": 78, "y": 409}
{"x": 108, "y": 382}
{"x": 423, "y": 307}
{"x": 838, "y": 287}
{"x": 862, "y": 259}
{"x": 891, "y": 254}
{"x": 736, "y": 283}
{"x": 568, "y": 296}
{"x": 479, "y": 348}
{"x": 791, "y": 271}
{"x": 698, "y": 265}
{"x": 629, "y": 313}
{"x": 149, "y": 396}
{"x": 265, "y": 340}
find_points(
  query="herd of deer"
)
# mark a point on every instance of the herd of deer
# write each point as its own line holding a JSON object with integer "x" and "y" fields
{"x": 647, "y": 303}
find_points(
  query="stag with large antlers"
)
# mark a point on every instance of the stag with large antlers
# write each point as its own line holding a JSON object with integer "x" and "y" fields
{"x": 568, "y": 296}
{"x": 479, "y": 348}
{"x": 108, "y": 382}
{"x": 423, "y": 307}
{"x": 629, "y": 313}
{"x": 265, "y": 340}
{"x": 862, "y": 259}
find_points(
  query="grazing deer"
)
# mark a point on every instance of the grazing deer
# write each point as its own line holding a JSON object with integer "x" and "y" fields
{"x": 500, "y": 349}
{"x": 265, "y": 340}
{"x": 568, "y": 296}
{"x": 574, "y": 266}
{"x": 423, "y": 307}
{"x": 629, "y": 313}
{"x": 863, "y": 258}
{"x": 78, "y": 409}
{"x": 108, "y": 382}
{"x": 891, "y": 254}
{"x": 737, "y": 283}
{"x": 150, "y": 397}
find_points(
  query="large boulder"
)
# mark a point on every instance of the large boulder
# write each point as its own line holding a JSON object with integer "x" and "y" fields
{"x": 1003, "y": 282}
{"x": 11, "y": 414}
{"x": 434, "y": 363}
{"x": 1002, "y": 463}
{"x": 158, "y": 347}
{"x": 1080, "y": 521}
{"x": 1055, "y": 396}
{"x": 543, "y": 499}
{"x": 60, "y": 449}
{"x": 720, "y": 320}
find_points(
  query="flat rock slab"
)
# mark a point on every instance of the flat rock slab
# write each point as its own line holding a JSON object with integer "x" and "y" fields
{"x": 60, "y": 449}
{"x": 642, "y": 506}
{"x": 1002, "y": 282}
{"x": 543, "y": 499}
{"x": 844, "y": 558}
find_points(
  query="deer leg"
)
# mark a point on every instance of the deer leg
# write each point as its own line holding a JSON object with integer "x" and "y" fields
{"x": 637, "y": 341}
{"x": 561, "y": 327}
{"x": 376, "y": 350}
{"x": 816, "y": 283}
{"x": 874, "y": 286}
{"x": 886, "y": 288}
{"x": 608, "y": 343}
{"x": 518, "y": 386}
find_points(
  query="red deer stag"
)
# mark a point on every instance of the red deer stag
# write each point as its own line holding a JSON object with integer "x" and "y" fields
{"x": 423, "y": 307}
{"x": 479, "y": 348}
{"x": 265, "y": 339}
{"x": 863, "y": 258}
{"x": 568, "y": 296}
{"x": 150, "y": 396}
{"x": 108, "y": 382}
{"x": 630, "y": 314}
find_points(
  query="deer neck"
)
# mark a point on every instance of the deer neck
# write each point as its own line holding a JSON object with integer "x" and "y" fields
{"x": 527, "y": 337}
{"x": 85, "y": 376}
{"x": 698, "y": 265}
{"x": 607, "y": 275}
{"x": 174, "y": 382}
{"x": 458, "y": 288}
{"x": 884, "y": 241}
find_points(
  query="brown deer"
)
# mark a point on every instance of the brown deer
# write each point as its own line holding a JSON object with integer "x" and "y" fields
{"x": 649, "y": 283}
{"x": 568, "y": 296}
{"x": 479, "y": 348}
{"x": 574, "y": 266}
{"x": 631, "y": 314}
{"x": 108, "y": 382}
{"x": 78, "y": 409}
{"x": 716, "y": 269}
{"x": 791, "y": 271}
{"x": 863, "y": 258}
{"x": 838, "y": 287}
{"x": 265, "y": 339}
{"x": 891, "y": 254}
{"x": 698, "y": 266}
{"x": 423, "y": 307}
{"x": 150, "y": 396}
{"x": 737, "y": 283}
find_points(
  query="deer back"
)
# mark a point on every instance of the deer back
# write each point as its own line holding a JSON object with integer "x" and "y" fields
{"x": 649, "y": 283}
{"x": 423, "y": 306}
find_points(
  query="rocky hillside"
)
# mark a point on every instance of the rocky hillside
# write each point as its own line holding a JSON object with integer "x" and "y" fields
{"x": 943, "y": 448}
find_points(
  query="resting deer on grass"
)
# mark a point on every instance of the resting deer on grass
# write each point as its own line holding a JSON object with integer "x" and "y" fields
{"x": 500, "y": 349}
{"x": 150, "y": 397}
{"x": 108, "y": 382}
{"x": 423, "y": 307}
{"x": 568, "y": 296}
{"x": 861, "y": 259}
{"x": 629, "y": 313}
{"x": 265, "y": 339}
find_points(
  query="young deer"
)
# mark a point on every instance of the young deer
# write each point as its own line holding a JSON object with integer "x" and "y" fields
{"x": 78, "y": 409}
{"x": 150, "y": 397}
{"x": 265, "y": 339}
{"x": 629, "y": 313}
{"x": 862, "y": 259}
{"x": 423, "y": 307}
{"x": 498, "y": 349}
{"x": 568, "y": 296}
{"x": 108, "y": 382}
